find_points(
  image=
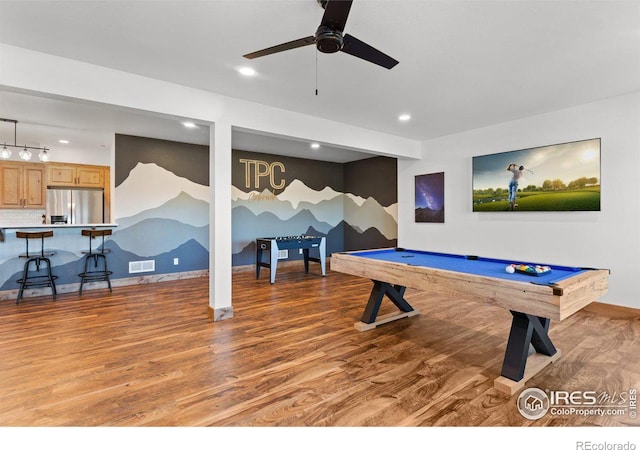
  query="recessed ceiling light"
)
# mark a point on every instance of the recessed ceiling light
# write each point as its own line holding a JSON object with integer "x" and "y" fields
{"x": 404, "y": 117}
{"x": 63, "y": 141}
{"x": 247, "y": 71}
{"x": 315, "y": 145}
{"x": 189, "y": 125}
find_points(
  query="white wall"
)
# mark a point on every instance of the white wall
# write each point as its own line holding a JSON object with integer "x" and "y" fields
{"x": 607, "y": 239}
{"x": 80, "y": 156}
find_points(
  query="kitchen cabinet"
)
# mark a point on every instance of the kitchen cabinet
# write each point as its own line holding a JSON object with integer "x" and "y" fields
{"x": 23, "y": 185}
{"x": 75, "y": 175}
{"x": 81, "y": 176}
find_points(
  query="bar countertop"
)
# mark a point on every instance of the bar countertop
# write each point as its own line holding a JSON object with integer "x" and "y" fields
{"x": 14, "y": 226}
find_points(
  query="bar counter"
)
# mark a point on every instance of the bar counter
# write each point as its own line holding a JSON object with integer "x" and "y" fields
{"x": 67, "y": 242}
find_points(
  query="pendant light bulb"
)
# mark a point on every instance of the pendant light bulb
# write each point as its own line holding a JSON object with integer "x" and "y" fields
{"x": 5, "y": 153}
{"x": 25, "y": 154}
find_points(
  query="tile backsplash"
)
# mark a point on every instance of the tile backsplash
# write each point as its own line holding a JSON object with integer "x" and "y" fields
{"x": 21, "y": 216}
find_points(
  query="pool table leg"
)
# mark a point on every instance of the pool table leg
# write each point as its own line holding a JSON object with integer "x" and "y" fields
{"x": 380, "y": 290}
{"x": 527, "y": 331}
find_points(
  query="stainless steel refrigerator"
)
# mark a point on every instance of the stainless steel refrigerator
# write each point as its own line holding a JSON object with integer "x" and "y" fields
{"x": 78, "y": 206}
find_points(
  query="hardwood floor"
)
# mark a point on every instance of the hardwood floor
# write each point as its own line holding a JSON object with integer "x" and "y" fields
{"x": 148, "y": 355}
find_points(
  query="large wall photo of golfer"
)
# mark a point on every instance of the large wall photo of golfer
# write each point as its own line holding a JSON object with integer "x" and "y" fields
{"x": 561, "y": 177}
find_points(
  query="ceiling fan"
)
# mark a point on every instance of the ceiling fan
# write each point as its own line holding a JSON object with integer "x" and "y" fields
{"x": 329, "y": 37}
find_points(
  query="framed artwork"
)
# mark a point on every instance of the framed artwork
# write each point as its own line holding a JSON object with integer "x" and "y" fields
{"x": 430, "y": 197}
{"x": 560, "y": 177}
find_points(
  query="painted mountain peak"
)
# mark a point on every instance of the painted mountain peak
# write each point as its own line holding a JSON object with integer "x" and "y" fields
{"x": 183, "y": 208}
{"x": 150, "y": 186}
{"x": 249, "y": 226}
{"x": 297, "y": 191}
{"x": 155, "y": 235}
{"x": 370, "y": 214}
{"x": 294, "y": 193}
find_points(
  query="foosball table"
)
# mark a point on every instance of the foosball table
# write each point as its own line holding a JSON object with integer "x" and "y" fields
{"x": 273, "y": 245}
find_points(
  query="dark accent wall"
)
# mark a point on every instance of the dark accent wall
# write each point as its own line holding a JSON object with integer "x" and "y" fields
{"x": 372, "y": 178}
{"x": 375, "y": 177}
{"x": 190, "y": 161}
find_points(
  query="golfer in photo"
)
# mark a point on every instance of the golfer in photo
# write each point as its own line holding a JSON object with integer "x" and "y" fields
{"x": 513, "y": 184}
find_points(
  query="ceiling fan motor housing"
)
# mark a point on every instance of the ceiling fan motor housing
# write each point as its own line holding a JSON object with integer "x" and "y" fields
{"x": 328, "y": 40}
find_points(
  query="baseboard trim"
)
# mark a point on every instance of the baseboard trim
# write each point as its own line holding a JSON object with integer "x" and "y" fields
{"x": 615, "y": 311}
{"x": 116, "y": 282}
{"x": 605, "y": 309}
{"x": 281, "y": 264}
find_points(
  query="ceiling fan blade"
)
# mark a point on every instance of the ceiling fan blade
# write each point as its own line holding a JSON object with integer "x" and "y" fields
{"x": 335, "y": 14}
{"x": 359, "y": 49}
{"x": 282, "y": 47}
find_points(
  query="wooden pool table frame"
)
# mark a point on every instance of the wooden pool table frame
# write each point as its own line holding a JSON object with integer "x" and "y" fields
{"x": 532, "y": 305}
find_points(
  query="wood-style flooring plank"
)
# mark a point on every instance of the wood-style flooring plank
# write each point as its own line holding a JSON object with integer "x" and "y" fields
{"x": 148, "y": 355}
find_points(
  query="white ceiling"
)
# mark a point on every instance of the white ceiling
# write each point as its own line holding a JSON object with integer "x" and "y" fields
{"x": 463, "y": 64}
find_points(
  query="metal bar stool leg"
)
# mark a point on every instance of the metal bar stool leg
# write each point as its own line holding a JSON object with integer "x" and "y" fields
{"x": 107, "y": 273}
{"x": 54, "y": 291}
{"x": 97, "y": 271}
{"x": 35, "y": 279}
{"x": 21, "y": 281}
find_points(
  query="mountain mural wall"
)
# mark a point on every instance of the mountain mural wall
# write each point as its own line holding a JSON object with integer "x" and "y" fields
{"x": 162, "y": 203}
{"x": 161, "y": 206}
{"x": 292, "y": 200}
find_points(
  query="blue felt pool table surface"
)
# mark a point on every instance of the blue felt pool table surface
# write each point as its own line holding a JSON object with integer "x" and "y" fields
{"x": 487, "y": 267}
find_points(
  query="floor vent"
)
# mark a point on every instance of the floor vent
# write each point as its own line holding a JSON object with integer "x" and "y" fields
{"x": 142, "y": 266}
{"x": 283, "y": 254}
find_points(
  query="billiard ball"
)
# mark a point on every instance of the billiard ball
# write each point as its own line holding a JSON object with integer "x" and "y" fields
{"x": 510, "y": 269}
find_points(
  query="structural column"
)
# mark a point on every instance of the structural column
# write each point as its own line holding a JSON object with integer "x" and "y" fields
{"x": 220, "y": 307}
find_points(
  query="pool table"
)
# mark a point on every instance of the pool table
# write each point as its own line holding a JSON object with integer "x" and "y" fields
{"x": 533, "y": 299}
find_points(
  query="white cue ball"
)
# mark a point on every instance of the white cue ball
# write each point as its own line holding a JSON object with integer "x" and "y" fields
{"x": 509, "y": 269}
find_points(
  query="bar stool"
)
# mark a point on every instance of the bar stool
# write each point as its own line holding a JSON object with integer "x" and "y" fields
{"x": 29, "y": 278}
{"x": 97, "y": 256}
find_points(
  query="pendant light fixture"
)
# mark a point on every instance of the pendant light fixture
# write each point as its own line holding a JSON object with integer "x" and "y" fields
{"x": 5, "y": 153}
{"x": 24, "y": 154}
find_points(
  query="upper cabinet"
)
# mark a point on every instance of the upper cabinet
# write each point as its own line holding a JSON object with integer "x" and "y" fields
{"x": 22, "y": 185}
{"x": 76, "y": 175}
{"x": 82, "y": 176}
